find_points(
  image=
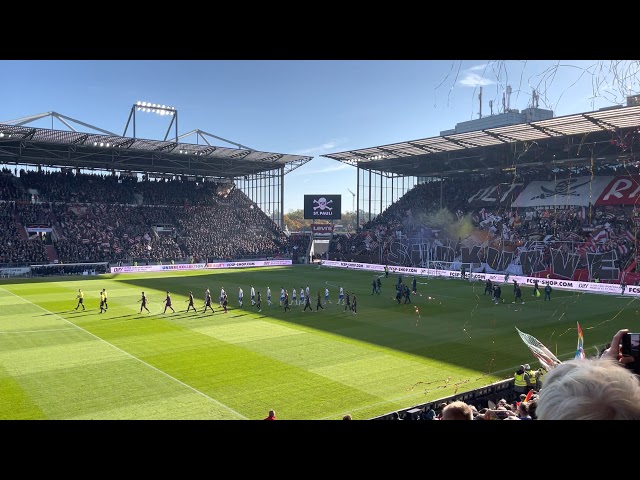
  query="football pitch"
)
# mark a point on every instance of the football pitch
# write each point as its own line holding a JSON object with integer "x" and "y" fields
{"x": 60, "y": 363}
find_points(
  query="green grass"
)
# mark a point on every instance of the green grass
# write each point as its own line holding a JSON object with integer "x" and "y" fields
{"x": 58, "y": 363}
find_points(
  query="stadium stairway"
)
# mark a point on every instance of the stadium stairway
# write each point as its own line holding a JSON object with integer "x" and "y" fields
{"x": 52, "y": 255}
{"x": 21, "y": 230}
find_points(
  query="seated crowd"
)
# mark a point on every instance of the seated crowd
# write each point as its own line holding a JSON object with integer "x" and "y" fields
{"x": 110, "y": 218}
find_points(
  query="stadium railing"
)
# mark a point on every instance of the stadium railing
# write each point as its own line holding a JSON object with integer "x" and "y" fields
{"x": 479, "y": 398}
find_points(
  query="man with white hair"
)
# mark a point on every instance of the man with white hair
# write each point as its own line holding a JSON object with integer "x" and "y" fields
{"x": 592, "y": 389}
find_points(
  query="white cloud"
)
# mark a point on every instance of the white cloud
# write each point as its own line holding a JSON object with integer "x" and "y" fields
{"x": 326, "y": 147}
{"x": 482, "y": 66}
{"x": 471, "y": 79}
{"x": 335, "y": 166}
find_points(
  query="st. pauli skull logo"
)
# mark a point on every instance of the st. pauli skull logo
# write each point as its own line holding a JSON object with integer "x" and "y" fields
{"x": 323, "y": 204}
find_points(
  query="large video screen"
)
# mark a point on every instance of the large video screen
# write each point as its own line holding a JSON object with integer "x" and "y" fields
{"x": 328, "y": 207}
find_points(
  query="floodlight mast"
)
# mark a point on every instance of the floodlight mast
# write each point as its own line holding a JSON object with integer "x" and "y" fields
{"x": 153, "y": 108}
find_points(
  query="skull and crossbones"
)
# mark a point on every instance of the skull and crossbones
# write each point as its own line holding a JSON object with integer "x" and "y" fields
{"x": 322, "y": 204}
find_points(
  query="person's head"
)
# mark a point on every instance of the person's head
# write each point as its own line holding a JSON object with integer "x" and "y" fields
{"x": 523, "y": 409}
{"x": 457, "y": 410}
{"x": 589, "y": 389}
{"x": 347, "y": 417}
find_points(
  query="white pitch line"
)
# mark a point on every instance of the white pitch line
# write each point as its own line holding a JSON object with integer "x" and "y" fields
{"x": 132, "y": 356}
{"x": 6, "y": 332}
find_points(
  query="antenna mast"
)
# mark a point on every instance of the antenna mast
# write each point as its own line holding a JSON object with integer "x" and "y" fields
{"x": 480, "y": 100}
{"x": 353, "y": 203}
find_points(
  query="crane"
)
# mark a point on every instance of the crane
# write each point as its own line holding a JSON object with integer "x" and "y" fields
{"x": 354, "y": 201}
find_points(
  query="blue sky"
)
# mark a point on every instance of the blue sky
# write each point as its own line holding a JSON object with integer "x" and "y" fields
{"x": 305, "y": 107}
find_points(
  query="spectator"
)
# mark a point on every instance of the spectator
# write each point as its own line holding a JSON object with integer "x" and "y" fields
{"x": 428, "y": 413}
{"x": 271, "y": 416}
{"x": 523, "y": 411}
{"x": 457, "y": 410}
{"x": 591, "y": 389}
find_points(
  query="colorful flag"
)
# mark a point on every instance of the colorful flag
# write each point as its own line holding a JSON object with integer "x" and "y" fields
{"x": 580, "y": 349}
{"x": 547, "y": 359}
{"x": 529, "y": 395}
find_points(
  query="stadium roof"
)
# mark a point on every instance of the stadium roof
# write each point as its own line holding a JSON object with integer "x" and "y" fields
{"x": 585, "y": 137}
{"x": 23, "y": 144}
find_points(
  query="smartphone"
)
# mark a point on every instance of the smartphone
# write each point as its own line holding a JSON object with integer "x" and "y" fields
{"x": 631, "y": 344}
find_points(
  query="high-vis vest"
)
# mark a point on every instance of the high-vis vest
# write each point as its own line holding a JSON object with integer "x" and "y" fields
{"x": 518, "y": 380}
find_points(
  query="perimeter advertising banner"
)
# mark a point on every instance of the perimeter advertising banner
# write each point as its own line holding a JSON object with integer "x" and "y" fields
{"x": 328, "y": 207}
{"x": 322, "y": 228}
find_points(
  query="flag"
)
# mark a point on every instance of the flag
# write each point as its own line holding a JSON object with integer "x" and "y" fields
{"x": 580, "y": 349}
{"x": 529, "y": 395}
{"x": 547, "y": 359}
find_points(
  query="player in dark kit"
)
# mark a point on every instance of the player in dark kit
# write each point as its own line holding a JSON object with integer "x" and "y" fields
{"x": 225, "y": 302}
{"x": 259, "y": 302}
{"x": 347, "y": 302}
{"x": 319, "y": 303}
{"x": 488, "y": 287}
{"x": 354, "y": 304}
{"x": 80, "y": 298}
{"x": 307, "y": 303}
{"x": 379, "y": 285}
{"x": 207, "y": 301}
{"x": 497, "y": 292}
{"x": 374, "y": 286}
{"x": 518, "y": 295}
{"x": 143, "y": 303}
{"x": 167, "y": 303}
{"x": 407, "y": 294}
{"x": 285, "y": 301}
{"x": 414, "y": 284}
{"x": 191, "y": 305}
